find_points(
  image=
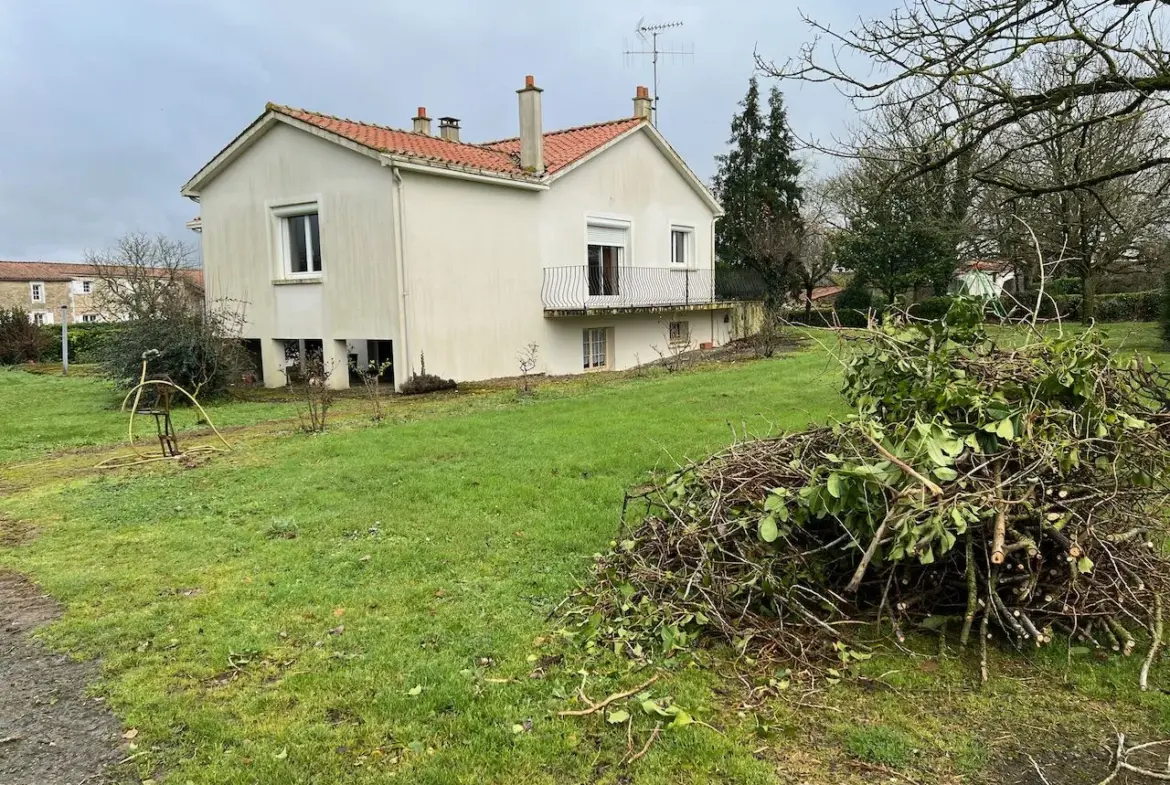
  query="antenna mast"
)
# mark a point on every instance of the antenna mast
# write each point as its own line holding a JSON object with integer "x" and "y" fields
{"x": 648, "y": 35}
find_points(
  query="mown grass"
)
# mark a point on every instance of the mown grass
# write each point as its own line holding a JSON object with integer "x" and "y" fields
{"x": 373, "y": 601}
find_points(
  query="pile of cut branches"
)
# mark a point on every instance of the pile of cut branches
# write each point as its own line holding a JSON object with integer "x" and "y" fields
{"x": 1014, "y": 488}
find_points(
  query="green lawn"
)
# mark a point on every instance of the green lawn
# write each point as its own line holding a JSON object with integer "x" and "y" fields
{"x": 371, "y": 601}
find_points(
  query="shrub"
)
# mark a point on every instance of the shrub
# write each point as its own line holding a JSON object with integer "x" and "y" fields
{"x": 423, "y": 382}
{"x": 932, "y": 308}
{"x": 85, "y": 341}
{"x": 21, "y": 341}
{"x": 1065, "y": 286}
{"x": 1067, "y": 306}
{"x": 817, "y": 317}
{"x": 200, "y": 352}
{"x": 1130, "y": 307}
{"x": 852, "y": 306}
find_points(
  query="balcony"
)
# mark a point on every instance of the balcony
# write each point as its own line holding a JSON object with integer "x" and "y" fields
{"x": 598, "y": 289}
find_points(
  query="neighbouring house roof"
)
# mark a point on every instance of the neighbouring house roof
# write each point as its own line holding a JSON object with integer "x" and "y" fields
{"x": 67, "y": 271}
{"x": 498, "y": 159}
{"x": 821, "y": 292}
{"x": 42, "y": 271}
{"x": 987, "y": 266}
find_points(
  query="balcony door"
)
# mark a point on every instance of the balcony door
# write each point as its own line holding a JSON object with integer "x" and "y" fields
{"x": 606, "y": 249}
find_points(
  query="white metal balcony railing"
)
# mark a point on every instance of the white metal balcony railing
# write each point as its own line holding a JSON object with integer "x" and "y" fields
{"x": 587, "y": 287}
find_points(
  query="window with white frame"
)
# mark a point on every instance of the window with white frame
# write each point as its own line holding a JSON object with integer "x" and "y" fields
{"x": 595, "y": 347}
{"x": 37, "y": 290}
{"x": 41, "y": 317}
{"x": 300, "y": 239}
{"x": 679, "y": 333}
{"x": 87, "y": 287}
{"x": 680, "y": 245}
{"x": 89, "y": 317}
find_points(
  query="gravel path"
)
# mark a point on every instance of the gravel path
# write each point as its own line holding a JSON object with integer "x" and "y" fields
{"x": 51, "y": 732}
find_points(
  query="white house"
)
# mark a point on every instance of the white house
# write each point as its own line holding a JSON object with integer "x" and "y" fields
{"x": 595, "y": 242}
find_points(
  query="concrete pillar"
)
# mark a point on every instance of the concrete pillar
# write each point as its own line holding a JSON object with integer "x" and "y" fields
{"x": 336, "y": 357}
{"x": 272, "y": 362}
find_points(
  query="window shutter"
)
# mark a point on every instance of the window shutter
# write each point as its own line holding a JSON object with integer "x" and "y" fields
{"x": 607, "y": 235}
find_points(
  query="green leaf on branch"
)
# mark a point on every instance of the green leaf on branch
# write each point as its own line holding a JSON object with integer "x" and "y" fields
{"x": 768, "y": 529}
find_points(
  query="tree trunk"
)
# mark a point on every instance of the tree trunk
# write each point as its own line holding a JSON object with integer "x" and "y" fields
{"x": 808, "y": 292}
{"x": 1088, "y": 296}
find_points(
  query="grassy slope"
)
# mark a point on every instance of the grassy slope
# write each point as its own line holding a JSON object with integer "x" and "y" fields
{"x": 483, "y": 518}
{"x": 483, "y": 522}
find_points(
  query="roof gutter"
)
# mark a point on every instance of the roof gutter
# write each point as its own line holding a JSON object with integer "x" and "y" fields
{"x": 396, "y": 162}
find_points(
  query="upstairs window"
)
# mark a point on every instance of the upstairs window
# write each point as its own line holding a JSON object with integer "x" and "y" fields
{"x": 680, "y": 246}
{"x": 301, "y": 240}
{"x": 87, "y": 287}
{"x": 37, "y": 290}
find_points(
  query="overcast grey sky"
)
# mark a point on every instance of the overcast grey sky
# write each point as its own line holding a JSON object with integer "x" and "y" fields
{"x": 107, "y": 108}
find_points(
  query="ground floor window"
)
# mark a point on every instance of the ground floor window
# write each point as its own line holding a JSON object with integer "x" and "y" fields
{"x": 89, "y": 318}
{"x": 595, "y": 347}
{"x": 679, "y": 332}
{"x": 42, "y": 317}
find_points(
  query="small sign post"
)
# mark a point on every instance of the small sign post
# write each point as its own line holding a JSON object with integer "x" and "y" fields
{"x": 64, "y": 340}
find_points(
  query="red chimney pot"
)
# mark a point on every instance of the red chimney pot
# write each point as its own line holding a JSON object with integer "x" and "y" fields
{"x": 529, "y": 81}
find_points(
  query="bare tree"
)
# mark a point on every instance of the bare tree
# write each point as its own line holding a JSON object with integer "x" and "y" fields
{"x": 775, "y": 244}
{"x": 143, "y": 276}
{"x": 1091, "y": 231}
{"x": 986, "y": 49}
{"x": 814, "y": 262}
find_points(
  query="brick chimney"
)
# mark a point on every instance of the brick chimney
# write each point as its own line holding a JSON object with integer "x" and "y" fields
{"x": 422, "y": 123}
{"x": 531, "y": 131}
{"x": 449, "y": 128}
{"x": 642, "y": 103}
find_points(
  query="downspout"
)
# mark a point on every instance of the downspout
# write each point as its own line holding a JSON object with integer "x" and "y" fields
{"x": 400, "y": 266}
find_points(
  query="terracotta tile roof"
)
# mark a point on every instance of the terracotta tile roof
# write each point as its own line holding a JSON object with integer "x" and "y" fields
{"x": 43, "y": 271}
{"x": 821, "y": 292}
{"x": 988, "y": 265}
{"x": 66, "y": 271}
{"x": 561, "y": 148}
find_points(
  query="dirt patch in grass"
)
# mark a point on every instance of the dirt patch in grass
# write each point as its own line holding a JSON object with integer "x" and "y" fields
{"x": 51, "y": 731}
{"x": 14, "y": 534}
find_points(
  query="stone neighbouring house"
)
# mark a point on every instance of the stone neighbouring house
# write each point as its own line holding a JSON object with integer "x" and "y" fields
{"x": 370, "y": 243}
{"x": 42, "y": 288}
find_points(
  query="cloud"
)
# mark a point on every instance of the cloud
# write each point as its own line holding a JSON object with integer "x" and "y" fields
{"x": 110, "y": 107}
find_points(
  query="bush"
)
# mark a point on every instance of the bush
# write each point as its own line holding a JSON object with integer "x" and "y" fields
{"x": 1126, "y": 307}
{"x": 852, "y": 306}
{"x": 423, "y": 382}
{"x": 21, "y": 341}
{"x": 1065, "y": 286}
{"x": 426, "y": 382}
{"x": 1130, "y": 307}
{"x": 931, "y": 308}
{"x": 199, "y": 352}
{"x": 1067, "y": 306}
{"x": 85, "y": 341}
{"x": 817, "y": 317}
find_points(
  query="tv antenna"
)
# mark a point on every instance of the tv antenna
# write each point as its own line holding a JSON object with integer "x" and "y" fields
{"x": 648, "y": 37}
